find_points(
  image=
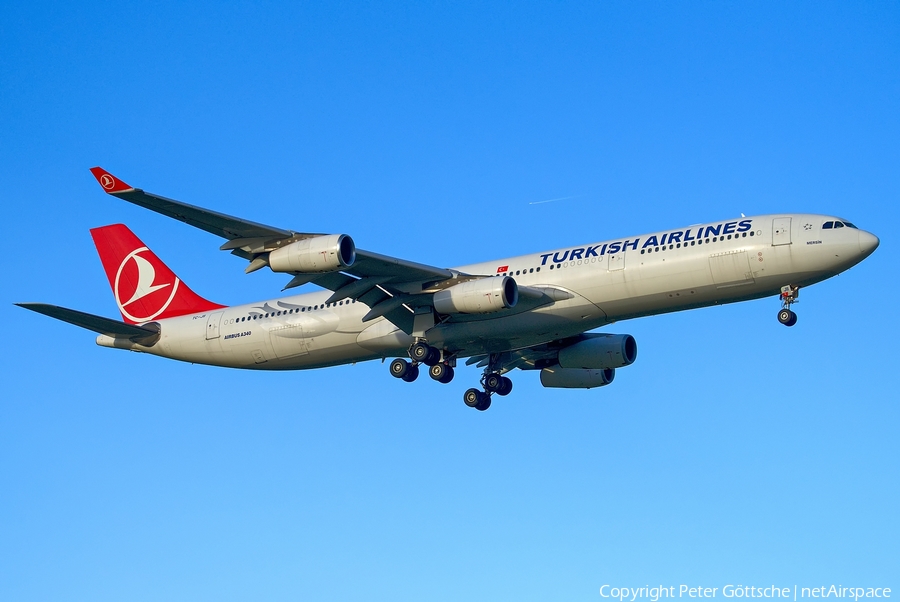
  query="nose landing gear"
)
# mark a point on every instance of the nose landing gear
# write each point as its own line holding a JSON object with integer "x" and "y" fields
{"x": 789, "y": 295}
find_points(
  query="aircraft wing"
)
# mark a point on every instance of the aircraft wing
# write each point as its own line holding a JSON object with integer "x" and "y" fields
{"x": 113, "y": 328}
{"x": 382, "y": 282}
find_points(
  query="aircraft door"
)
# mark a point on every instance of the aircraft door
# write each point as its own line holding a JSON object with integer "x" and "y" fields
{"x": 781, "y": 231}
{"x": 212, "y": 325}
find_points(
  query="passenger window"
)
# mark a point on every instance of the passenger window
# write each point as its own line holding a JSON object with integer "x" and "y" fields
{"x": 828, "y": 225}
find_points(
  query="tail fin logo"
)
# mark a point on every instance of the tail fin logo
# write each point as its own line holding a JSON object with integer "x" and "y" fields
{"x": 107, "y": 181}
{"x": 136, "y": 280}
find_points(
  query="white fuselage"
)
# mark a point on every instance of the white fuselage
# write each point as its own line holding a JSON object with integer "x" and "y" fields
{"x": 698, "y": 266}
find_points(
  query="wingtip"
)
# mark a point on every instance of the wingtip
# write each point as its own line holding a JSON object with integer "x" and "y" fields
{"x": 109, "y": 182}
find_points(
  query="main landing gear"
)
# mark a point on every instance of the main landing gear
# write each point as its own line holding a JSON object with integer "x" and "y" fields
{"x": 439, "y": 369}
{"x": 477, "y": 399}
{"x": 789, "y": 295}
{"x": 493, "y": 382}
{"x": 404, "y": 370}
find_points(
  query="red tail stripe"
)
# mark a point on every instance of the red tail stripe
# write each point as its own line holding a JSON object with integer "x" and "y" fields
{"x": 143, "y": 286}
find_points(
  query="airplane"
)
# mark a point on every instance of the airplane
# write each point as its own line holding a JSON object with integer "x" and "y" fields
{"x": 532, "y": 312}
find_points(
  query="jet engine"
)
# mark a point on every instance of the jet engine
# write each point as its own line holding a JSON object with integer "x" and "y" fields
{"x": 482, "y": 296}
{"x": 576, "y": 378}
{"x": 600, "y": 351}
{"x": 314, "y": 255}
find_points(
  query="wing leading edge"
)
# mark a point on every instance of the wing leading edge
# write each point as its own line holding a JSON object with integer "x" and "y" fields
{"x": 388, "y": 285}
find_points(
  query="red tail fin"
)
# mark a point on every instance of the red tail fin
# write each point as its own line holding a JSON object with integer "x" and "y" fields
{"x": 144, "y": 287}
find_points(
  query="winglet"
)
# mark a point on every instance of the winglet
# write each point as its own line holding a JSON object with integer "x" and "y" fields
{"x": 109, "y": 182}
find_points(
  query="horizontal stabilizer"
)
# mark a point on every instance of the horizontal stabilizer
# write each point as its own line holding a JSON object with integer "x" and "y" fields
{"x": 145, "y": 335}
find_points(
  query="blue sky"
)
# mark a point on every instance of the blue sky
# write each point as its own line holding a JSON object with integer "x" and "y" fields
{"x": 733, "y": 451}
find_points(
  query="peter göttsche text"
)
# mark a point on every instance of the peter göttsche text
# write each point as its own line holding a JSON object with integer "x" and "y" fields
{"x": 656, "y": 594}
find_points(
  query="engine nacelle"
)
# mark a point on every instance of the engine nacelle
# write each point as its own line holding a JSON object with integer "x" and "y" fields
{"x": 482, "y": 296}
{"x": 576, "y": 378}
{"x": 600, "y": 351}
{"x": 314, "y": 255}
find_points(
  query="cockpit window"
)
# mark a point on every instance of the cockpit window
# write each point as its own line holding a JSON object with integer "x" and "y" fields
{"x": 828, "y": 225}
{"x": 838, "y": 224}
{"x": 849, "y": 225}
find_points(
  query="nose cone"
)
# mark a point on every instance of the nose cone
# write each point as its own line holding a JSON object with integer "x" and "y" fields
{"x": 867, "y": 243}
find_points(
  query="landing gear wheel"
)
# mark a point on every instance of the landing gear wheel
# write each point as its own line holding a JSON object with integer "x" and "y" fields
{"x": 411, "y": 374}
{"x": 474, "y": 398}
{"x": 434, "y": 358}
{"x": 443, "y": 373}
{"x": 485, "y": 404}
{"x": 399, "y": 368}
{"x": 787, "y": 317}
{"x": 790, "y": 294}
{"x": 424, "y": 353}
{"x": 493, "y": 382}
{"x": 505, "y": 386}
